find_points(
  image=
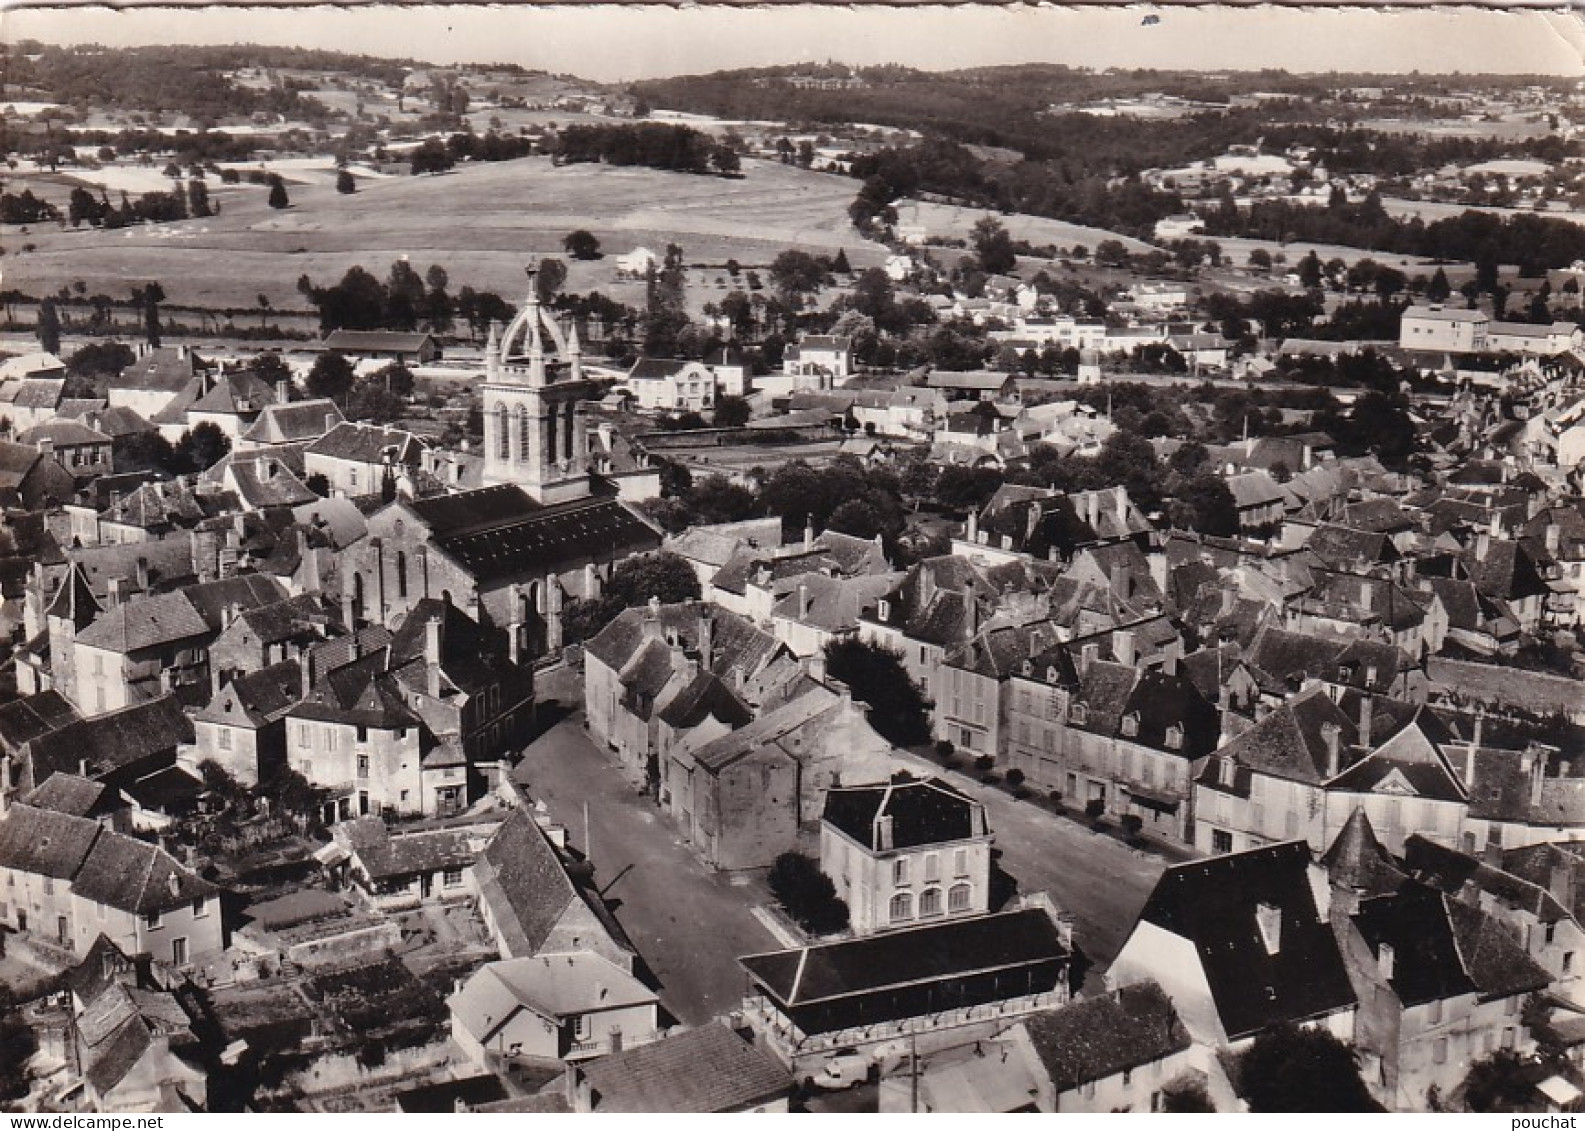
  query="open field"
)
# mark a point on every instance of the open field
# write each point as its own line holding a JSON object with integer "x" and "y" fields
{"x": 480, "y": 222}
{"x": 953, "y": 221}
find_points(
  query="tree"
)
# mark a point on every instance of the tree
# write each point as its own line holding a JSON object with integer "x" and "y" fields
{"x": 1111, "y": 253}
{"x": 549, "y": 279}
{"x": 876, "y": 676}
{"x": 796, "y": 273}
{"x": 346, "y": 183}
{"x": 17, "y": 1045}
{"x": 1438, "y": 289}
{"x": 993, "y": 246}
{"x": 663, "y": 575}
{"x": 1289, "y": 1069}
{"x": 431, "y": 157}
{"x": 859, "y": 517}
{"x": 141, "y": 451}
{"x": 201, "y": 447}
{"x": 49, "y": 327}
{"x": 1260, "y": 259}
{"x": 1310, "y": 271}
{"x": 1204, "y": 503}
{"x": 1498, "y": 1083}
{"x": 807, "y": 894}
{"x": 715, "y": 498}
{"x": 840, "y": 265}
{"x": 330, "y": 377}
{"x": 581, "y": 244}
{"x": 731, "y": 412}
{"x": 151, "y": 313}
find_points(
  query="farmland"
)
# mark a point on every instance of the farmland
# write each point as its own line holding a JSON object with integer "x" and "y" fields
{"x": 480, "y": 222}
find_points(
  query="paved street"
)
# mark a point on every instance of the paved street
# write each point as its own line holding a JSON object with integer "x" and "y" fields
{"x": 688, "y": 922}
{"x": 691, "y": 924}
{"x": 1101, "y": 882}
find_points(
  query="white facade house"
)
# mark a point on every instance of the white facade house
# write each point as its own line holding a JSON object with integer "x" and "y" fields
{"x": 1438, "y": 328}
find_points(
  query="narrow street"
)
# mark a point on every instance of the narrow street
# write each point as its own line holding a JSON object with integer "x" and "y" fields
{"x": 689, "y": 923}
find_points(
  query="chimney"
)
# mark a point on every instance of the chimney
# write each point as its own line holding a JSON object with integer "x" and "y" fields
{"x": 652, "y": 625}
{"x": 973, "y": 532}
{"x": 1122, "y": 581}
{"x": 1482, "y": 546}
{"x": 817, "y": 667}
{"x": 1332, "y": 735}
{"x": 82, "y": 768}
{"x": 1367, "y": 716}
{"x": 1120, "y": 497}
{"x": 1538, "y": 756}
{"x": 809, "y": 533}
{"x": 175, "y": 881}
{"x": 1123, "y": 647}
{"x": 46, "y": 447}
{"x": 306, "y": 675}
{"x": 803, "y": 601}
{"x": 113, "y": 590}
{"x": 1480, "y": 728}
{"x": 143, "y": 574}
{"x": 883, "y": 833}
{"x": 1385, "y": 961}
{"x": 1169, "y": 661}
{"x": 1554, "y": 538}
{"x": 706, "y": 637}
{"x": 5, "y": 784}
{"x": 1367, "y": 596}
{"x": 1268, "y": 919}
{"x": 1229, "y": 600}
{"x": 330, "y": 421}
{"x": 1088, "y": 654}
{"x": 1370, "y": 676}
{"x": 432, "y": 655}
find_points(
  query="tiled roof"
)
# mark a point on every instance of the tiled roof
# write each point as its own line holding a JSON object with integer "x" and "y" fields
{"x": 259, "y": 697}
{"x": 235, "y": 394}
{"x": 384, "y": 855}
{"x": 264, "y": 481}
{"x": 1214, "y": 903}
{"x": 1415, "y": 923}
{"x": 73, "y": 795}
{"x": 1356, "y": 859}
{"x": 710, "y": 1069}
{"x": 1091, "y": 1040}
{"x": 145, "y": 623}
{"x": 921, "y": 813}
{"x": 63, "y": 432}
{"x": 23, "y": 720}
{"x": 1290, "y": 742}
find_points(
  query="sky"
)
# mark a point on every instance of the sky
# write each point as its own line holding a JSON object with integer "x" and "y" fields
{"x": 609, "y": 43}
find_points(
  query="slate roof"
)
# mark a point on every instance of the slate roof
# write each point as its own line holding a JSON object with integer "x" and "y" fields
{"x": 1159, "y": 702}
{"x": 159, "y": 505}
{"x": 834, "y": 603}
{"x": 1410, "y": 759}
{"x": 1357, "y": 860}
{"x": 1213, "y": 903}
{"x": 524, "y": 882}
{"x": 23, "y": 720}
{"x": 1497, "y": 962}
{"x": 235, "y": 394}
{"x": 44, "y": 842}
{"x": 73, "y": 795}
{"x": 166, "y": 370}
{"x": 169, "y": 562}
{"x": 365, "y": 443}
{"x": 782, "y": 728}
{"x": 709, "y": 1069}
{"x": 555, "y": 986}
{"x": 110, "y": 741}
{"x": 921, "y": 812}
{"x": 384, "y": 855}
{"x": 262, "y": 481}
{"x": 259, "y": 697}
{"x": 471, "y": 657}
{"x": 1289, "y": 742}
{"x": 954, "y": 948}
{"x": 293, "y": 423}
{"x": 736, "y": 643}
{"x": 1415, "y": 922}
{"x": 133, "y": 875}
{"x": 500, "y": 532}
{"x": 656, "y": 369}
{"x": 1455, "y": 873}
{"x": 1099, "y": 1037}
{"x": 376, "y": 341}
{"x": 63, "y": 433}
{"x": 358, "y": 693}
{"x": 1342, "y": 545}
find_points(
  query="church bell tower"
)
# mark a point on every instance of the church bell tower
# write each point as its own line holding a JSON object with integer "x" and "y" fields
{"x": 534, "y": 435}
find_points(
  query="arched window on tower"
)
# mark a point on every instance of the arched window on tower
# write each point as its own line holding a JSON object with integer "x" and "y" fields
{"x": 401, "y": 574}
{"x": 524, "y": 425}
{"x": 550, "y": 436}
{"x": 503, "y": 435}
{"x": 567, "y": 435}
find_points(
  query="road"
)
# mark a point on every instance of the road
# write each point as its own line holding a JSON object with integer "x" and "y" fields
{"x": 1100, "y": 881}
{"x": 691, "y": 923}
{"x": 688, "y": 922}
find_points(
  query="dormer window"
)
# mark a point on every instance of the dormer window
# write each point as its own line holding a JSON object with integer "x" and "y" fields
{"x": 1131, "y": 724}
{"x": 1076, "y": 713}
{"x": 1051, "y": 674}
{"x": 884, "y": 609}
{"x": 1174, "y": 737}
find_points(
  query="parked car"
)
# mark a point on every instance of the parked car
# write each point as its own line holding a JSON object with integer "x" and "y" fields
{"x": 843, "y": 1069}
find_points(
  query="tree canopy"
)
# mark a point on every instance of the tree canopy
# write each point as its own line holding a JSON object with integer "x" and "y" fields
{"x": 876, "y": 676}
{"x": 1288, "y": 1069}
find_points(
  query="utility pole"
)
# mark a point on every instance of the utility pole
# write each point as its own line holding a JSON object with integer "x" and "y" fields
{"x": 913, "y": 1072}
{"x": 588, "y": 837}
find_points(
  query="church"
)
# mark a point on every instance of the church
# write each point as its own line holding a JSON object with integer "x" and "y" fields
{"x": 544, "y": 529}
